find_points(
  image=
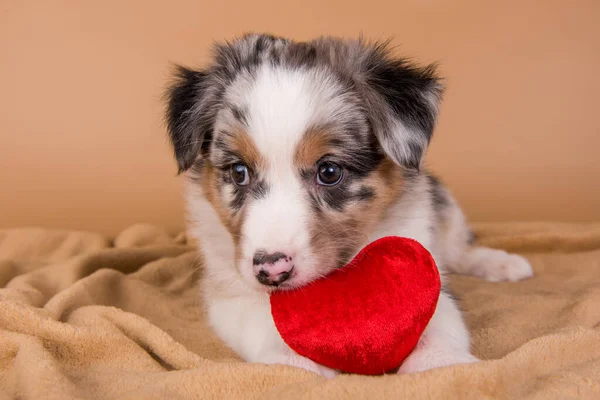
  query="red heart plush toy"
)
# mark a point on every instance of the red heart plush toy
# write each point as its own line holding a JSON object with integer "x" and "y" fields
{"x": 366, "y": 317}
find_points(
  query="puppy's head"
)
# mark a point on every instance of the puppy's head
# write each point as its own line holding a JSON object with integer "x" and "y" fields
{"x": 300, "y": 147}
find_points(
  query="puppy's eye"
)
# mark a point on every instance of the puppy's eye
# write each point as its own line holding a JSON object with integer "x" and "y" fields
{"x": 240, "y": 174}
{"x": 329, "y": 174}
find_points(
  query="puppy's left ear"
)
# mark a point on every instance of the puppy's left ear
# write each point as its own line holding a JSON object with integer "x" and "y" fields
{"x": 404, "y": 107}
{"x": 189, "y": 115}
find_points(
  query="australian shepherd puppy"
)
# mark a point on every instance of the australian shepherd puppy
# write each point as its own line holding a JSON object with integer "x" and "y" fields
{"x": 298, "y": 154}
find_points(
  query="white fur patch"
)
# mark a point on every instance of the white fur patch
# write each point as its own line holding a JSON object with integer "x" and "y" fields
{"x": 281, "y": 105}
{"x": 279, "y": 110}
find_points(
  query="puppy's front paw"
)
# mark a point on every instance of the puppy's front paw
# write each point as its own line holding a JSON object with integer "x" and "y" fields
{"x": 497, "y": 265}
{"x": 428, "y": 358}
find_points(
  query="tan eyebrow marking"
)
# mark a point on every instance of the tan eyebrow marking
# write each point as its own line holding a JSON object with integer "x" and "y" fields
{"x": 240, "y": 143}
{"x": 315, "y": 143}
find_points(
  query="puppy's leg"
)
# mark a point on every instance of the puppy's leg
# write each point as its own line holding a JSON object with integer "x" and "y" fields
{"x": 278, "y": 352}
{"x": 444, "y": 342}
{"x": 245, "y": 323}
{"x": 457, "y": 253}
{"x": 492, "y": 265}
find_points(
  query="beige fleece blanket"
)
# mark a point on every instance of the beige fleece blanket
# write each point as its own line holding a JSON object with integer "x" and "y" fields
{"x": 82, "y": 316}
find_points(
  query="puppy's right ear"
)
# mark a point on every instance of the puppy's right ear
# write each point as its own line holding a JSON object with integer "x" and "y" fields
{"x": 189, "y": 120}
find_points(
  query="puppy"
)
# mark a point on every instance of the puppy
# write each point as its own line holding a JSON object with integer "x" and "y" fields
{"x": 298, "y": 154}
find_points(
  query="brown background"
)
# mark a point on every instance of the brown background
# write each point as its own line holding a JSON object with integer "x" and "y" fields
{"x": 82, "y": 143}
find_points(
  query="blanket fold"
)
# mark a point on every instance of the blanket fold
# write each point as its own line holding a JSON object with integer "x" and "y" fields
{"x": 83, "y": 316}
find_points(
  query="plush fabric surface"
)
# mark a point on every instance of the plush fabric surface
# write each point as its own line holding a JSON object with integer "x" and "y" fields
{"x": 82, "y": 316}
